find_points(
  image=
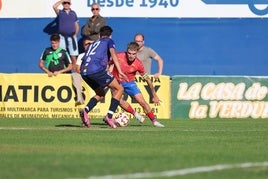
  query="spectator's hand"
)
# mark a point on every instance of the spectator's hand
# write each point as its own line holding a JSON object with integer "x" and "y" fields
{"x": 56, "y": 73}
{"x": 157, "y": 75}
{"x": 156, "y": 100}
{"x": 50, "y": 74}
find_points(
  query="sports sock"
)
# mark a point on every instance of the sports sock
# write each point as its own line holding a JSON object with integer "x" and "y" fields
{"x": 113, "y": 106}
{"x": 130, "y": 110}
{"x": 151, "y": 116}
{"x": 91, "y": 104}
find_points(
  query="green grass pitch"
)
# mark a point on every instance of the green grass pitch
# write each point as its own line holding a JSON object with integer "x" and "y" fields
{"x": 62, "y": 148}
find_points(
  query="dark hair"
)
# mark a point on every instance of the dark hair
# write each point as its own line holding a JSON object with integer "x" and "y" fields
{"x": 133, "y": 46}
{"x": 55, "y": 37}
{"x": 106, "y": 31}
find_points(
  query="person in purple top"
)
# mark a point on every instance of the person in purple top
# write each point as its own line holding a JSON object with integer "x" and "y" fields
{"x": 68, "y": 28}
{"x": 95, "y": 73}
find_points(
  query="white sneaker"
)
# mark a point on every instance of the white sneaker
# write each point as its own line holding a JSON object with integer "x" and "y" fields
{"x": 158, "y": 124}
{"x": 139, "y": 117}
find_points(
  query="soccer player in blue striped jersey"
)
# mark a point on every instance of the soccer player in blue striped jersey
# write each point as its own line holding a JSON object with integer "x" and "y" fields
{"x": 94, "y": 72}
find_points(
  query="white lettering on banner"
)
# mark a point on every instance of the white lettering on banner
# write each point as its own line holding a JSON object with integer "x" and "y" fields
{"x": 198, "y": 111}
{"x": 142, "y": 8}
{"x": 211, "y": 91}
{"x": 224, "y": 100}
{"x": 238, "y": 109}
{"x": 191, "y": 94}
{"x": 226, "y": 91}
{"x": 229, "y": 109}
{"x": 256, "y": 91}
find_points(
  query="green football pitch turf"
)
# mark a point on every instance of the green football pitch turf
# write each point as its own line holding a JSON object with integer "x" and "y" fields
{"x": 62, "y": 148}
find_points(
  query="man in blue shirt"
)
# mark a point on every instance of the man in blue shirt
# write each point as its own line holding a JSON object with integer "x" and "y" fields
{"x": 94, "y": 72}
{"x": 68, "y": 28}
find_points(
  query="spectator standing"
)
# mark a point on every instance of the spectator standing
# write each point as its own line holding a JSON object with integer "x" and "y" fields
{"x": 130, "y": 65}
{"x": 68, "y": 27}
{"x": 146, "y": 54}
{"x": 91, "y": 30}
{"x": 94, "y": 72}
{"x": 86, "y": 43}
{"x": 55, "y": 60}
{"x": 76, "y": 77}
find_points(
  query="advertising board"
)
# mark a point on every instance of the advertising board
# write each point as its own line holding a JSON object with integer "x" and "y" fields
{"x": 40, "y": 96}
{"x": 224, "y": 97}
{"x": 140, "y": 8}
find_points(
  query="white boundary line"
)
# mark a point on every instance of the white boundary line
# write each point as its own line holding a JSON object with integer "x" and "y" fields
{"x": 186, "y": 171}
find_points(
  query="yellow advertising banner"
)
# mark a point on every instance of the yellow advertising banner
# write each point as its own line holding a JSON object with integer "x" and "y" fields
{"x": 39, "y": 96}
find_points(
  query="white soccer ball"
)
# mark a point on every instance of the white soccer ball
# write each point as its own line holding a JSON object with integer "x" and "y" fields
{"x": 121, "y": 120}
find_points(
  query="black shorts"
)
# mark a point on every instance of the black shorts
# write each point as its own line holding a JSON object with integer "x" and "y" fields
{"x": 100, "y": 79}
